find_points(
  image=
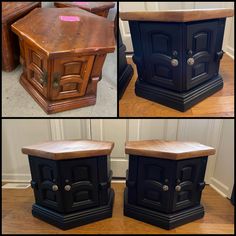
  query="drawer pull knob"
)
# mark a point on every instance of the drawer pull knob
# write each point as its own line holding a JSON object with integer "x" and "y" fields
{"x": 67, "y": 188}
{"x": 174, "y": 62}
{"x": 165, "y": 188}
{"x": 190, "y": 61}
{"x": 177, "y": 188}
{"x": 54, "y": 188}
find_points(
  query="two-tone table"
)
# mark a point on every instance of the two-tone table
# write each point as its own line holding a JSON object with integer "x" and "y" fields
{"x": 71, "y": 181}
{"x": 177, "y": 54}
{"x": 164, "y": 181}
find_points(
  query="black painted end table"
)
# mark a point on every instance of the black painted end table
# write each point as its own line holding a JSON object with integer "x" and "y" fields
{"x": 177, "y": 54}
{"x": 71, "y": 181}
{"x": 125, "y": 70}
{"x": 165, "y": 181}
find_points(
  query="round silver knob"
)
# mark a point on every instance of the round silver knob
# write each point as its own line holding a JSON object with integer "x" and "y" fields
{"x": 190, "y": 61}
{"x": 54, "y": 188}
{"x": 174, "y": 62}
{"x": 67, "y": 187}
{"x": 177, "y": 188}
{"x": 165, "y": 188}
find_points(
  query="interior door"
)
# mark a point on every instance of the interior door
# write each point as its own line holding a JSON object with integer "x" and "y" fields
{"x": 201, "y": 48}
{"x": 36, "y": 68}
{"x": 44, "y": 176}
{"x": 154, "y": 180}
{"x": 70, "y": 76}
{"x": 162, "y": 46}
{"x": 80, "y": 183}
{"x": 190, "y": 180}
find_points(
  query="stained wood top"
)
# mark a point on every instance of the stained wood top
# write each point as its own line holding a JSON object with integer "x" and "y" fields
{"x": 10, "y": 10}
{"x": 66, "y": 30}
{"x": 69, "y": 149}
{"x": 88, "y": 6}
{"x": 177, "y": 15}
{"x": 174, "y": 150}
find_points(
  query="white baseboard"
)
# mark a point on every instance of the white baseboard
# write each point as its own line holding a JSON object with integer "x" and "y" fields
{"x": 219, "y": 187}
{"x": 20, "y": 178}
{"x": 230, "y": 52}
{"x": 119, "y": 167}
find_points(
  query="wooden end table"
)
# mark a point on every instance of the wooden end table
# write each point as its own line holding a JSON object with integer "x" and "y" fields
{"x": 98, "y": 8}
{"x": 62, "y": 53}
{"x": 177, "y": 54}
{"x": 165, "y": 181}
{"x": 11, "y": 12}
{"x": 71, "y": 181}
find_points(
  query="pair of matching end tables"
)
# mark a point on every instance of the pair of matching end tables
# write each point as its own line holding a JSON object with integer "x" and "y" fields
{"x": 62, "y": 51}
{"x": 72, "y": 181}
{"x": 177, "y": 54}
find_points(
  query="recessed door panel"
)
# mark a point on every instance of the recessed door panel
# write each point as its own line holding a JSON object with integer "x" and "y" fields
{"x": 45, "y": 175}
{"x": 200, "y": 48}
{"x": 162, "y": 45}
{"x": 188, "y": 174}
{"x": 70, "y": 77}
{"x": 154, "y": 182}
{"x": 81, "y": 177}
{"x": 36, "y": 68}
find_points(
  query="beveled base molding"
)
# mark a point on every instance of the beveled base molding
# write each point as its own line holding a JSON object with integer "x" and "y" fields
{"x": 51, "y": 107}
{"x": 163, "y": 220}
{"x": 181, "y": 101}
{"x": 67, "y": 221}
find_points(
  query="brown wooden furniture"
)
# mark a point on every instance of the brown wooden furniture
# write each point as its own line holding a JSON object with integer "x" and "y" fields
{"x": 173, "y": 150}
{"x": 165, "y": 180}
{"x": 11, "y": 12}
{"x": 71, "y": 181}
{"x": 98, "y": 8}
{"x": 177, "y": 15}
{"x": 62, "y": 53}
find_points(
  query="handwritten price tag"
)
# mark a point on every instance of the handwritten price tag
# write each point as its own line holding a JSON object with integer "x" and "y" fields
{"x": 69, "y": 18}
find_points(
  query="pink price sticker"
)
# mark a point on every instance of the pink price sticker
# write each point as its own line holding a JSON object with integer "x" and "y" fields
{"x": 81, "y": 3}
{"x": 69, "y": 18}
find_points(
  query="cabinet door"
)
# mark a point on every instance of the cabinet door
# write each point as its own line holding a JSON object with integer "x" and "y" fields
{"x": 44, "y": 175}
{"x": 36, "y": 68}
{"x": 82, "y": 177}
{"x": 70, "y": 76}
{"x": 189, "y": 176}
{"x": 161, "y": 43}
{"x": 153, "y": 175}
{"x": 201, "y": 46}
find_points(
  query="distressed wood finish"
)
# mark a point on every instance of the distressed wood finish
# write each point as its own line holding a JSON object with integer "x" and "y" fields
{"x": 63, "y": 150}
{"x": 98, "y": 8}
{"x": 174, "y": 150}
{"x": 11, "y": 12}
{"x": 62, "y": 59}
{"x": 177, "y": 15}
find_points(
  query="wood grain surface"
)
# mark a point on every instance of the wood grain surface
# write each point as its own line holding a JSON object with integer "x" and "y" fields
{"x": 174, "y": 150}
{"x": 220, "y": 104}
{"x": 177, "y": 15}
{"x": 17, "y": 217}
{"x": 87, "y": 33}
{"x": 69, "y": 149}
{"x": 88, "y": 6}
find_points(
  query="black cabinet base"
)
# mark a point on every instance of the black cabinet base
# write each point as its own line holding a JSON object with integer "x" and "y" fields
{"x": 124, "y": 79}
{"x": 67, "y": 221}
{"x": 179, "y": 101}
{"x": 163, "y": 220}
